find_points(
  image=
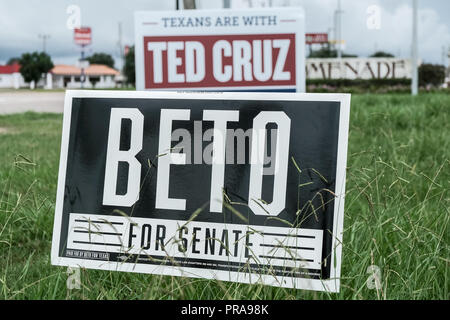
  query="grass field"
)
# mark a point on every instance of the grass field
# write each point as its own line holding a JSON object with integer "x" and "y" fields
{"x": 396, "y": 213}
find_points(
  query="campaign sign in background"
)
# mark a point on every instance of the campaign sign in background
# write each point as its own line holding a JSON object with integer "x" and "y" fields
{"x": 221, "y": 50}
{"x": 185, "y": 232}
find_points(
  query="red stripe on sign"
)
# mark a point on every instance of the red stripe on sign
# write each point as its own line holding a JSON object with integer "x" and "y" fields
{"x": 311, "y": 38}
{"x": 82, "y": 35}
{"x": 219, "y": 61}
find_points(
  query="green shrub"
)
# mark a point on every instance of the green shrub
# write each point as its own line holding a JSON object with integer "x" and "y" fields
{"x": 365, "y": 83}
{"x": 400, "y": 85}
{"x": 431, "y": 74}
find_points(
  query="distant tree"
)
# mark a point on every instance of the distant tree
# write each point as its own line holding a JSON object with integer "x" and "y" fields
{"x": 349, "y": 55}
{"x": 327, "y": 52}
{"x": 189, "y": 4}
{"x": 382, "y": 54}
{"x": 431, "y": 74}
{"x": 93, "y": 81}
{"x": 33, "y": 65}
{"x": 101, "y": 58}
{"x": 12, "y": 61}
{"x": 129, "y": 68}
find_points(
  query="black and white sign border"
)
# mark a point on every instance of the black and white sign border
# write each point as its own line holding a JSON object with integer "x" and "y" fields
{"x": 330, "y": 285}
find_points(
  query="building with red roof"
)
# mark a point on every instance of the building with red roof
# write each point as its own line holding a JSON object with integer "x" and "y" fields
{"x": 63, "y": 76}
{"x": 96, "y": 76}
{"x": 10, "y": 77}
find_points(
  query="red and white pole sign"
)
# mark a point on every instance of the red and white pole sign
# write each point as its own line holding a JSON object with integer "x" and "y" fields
{"x": 312, "y": 38}
{"x": 83, "y": 36}
{"x": 221, "y": 50}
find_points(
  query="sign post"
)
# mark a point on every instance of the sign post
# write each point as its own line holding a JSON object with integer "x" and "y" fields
{"x": 415, "y": 50}
{"x": 245, "y": 187}
{"x": 83, "y": 38}
{"x": 315, "y": 38}
{"x": 221, "y": 50}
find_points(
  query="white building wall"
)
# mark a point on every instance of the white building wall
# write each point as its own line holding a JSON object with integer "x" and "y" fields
{"x": 6, "y": 81}
{"x": 104, "y": 83}
{"x": 12, "y": 81}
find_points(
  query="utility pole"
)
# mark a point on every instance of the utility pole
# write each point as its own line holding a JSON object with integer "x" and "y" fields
{"x": 119, "y": 43}
{"x": 448, "y": 58}
{"x": 444, "y": 55}
{"x": 330, "y": 32}
{"x": 44, "y": 38}
{"x": 447, "y": 64}
{"x": 339, "y": 30}
{"x": 415, "y": 73}
{"x": 82, "y": 62}
{"x": 335, "y": 33}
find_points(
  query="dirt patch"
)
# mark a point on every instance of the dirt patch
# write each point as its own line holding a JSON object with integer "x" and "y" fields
{"x": 4, "y": 130}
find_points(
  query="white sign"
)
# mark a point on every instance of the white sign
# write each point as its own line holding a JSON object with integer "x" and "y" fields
{"x": 358, "y": 68}
{"x": 221, "y": 50}
{"x": 128, "y": 199}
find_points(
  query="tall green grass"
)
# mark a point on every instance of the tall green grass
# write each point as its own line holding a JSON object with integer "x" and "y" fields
{"x": 396, "y": 213}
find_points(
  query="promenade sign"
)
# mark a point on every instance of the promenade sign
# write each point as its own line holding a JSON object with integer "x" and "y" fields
{"x": 358, "y": 68}
{"x": 221, "y": 50}
{"x": 245, "y": 187}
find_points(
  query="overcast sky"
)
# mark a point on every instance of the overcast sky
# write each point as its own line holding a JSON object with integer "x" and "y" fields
{"x": 21, "y": 21}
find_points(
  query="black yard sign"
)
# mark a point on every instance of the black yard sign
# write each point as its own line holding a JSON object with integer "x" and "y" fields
{"x": 245, "y": 187}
